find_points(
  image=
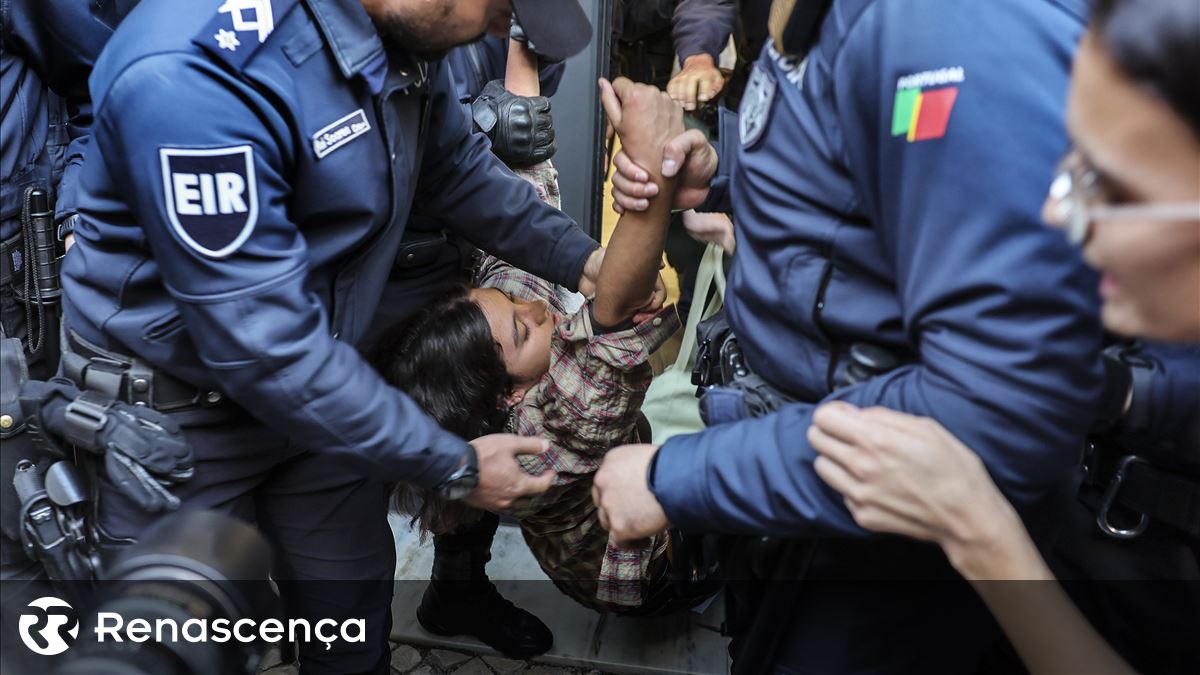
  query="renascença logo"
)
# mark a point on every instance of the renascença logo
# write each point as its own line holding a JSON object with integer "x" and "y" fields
{"x": 51, "y": 626}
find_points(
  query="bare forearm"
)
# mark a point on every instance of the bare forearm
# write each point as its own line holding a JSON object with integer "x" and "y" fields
{"x": 631, "y": 263}
{"x": 646, "y": 119}
{"x": 521, "y": 70}
{"x": 1047, "y": 630}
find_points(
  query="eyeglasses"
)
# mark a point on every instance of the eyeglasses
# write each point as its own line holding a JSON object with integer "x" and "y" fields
{"x": 1077, "y": 201}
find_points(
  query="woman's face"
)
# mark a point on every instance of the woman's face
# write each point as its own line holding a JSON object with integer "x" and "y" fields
{"x": 523, "y": 330}
{"x": 1142, "y": 153}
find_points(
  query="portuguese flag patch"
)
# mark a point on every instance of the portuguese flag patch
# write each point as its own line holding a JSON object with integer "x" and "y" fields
{"x": 921, "y": 112}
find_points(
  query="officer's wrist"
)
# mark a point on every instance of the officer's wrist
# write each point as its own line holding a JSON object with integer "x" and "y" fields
{"x": 701, "y": 60}
{"x": 650, "y": 468}
{"x": 461, "y": 483}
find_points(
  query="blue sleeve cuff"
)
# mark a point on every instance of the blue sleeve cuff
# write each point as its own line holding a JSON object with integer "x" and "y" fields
{"x": 718, "y": 199}
{"x": 680, "y": 484}
{"x": 685, "y": 52}
{"x": 574, "y": 258}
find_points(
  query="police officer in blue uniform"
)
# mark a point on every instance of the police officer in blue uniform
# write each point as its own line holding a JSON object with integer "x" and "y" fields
{"x": 260, "y": 159}
{"x": 47, "y": 49}
{"x": 886, "y": 185}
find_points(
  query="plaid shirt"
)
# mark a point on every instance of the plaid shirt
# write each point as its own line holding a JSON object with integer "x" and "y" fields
{"x": 587, "y": 403}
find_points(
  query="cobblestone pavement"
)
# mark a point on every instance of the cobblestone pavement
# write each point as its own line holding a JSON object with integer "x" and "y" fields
{"x": 423, "y": 661}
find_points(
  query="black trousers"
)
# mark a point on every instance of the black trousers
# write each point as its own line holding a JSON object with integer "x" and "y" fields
{"x": 335, "y": 554}
{"x": 883, "y": 605}
{"x": 1142, "y": 595}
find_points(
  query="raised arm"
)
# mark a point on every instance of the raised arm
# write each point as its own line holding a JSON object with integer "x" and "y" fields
{"x": 645, "y": 119}
{"x": 521, "y": 70}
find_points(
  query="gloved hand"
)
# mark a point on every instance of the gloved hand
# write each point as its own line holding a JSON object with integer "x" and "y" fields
{"x": 144, "y": 451}
{"x": 520, "y": 127}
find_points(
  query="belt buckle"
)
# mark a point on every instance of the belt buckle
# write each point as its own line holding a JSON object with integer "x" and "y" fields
{"x": 1110, "y": 497}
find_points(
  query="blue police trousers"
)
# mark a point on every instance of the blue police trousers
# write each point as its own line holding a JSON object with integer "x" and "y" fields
{"x": 335, "y": 554}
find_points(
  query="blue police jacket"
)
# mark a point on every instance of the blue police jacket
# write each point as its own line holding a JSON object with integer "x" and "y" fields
{"x": 474, "y": 65}
{"x": 887, "y": 189}
{"x": 1163, "y": 420}
{"x": 703, "y": 27}
{"x": 48, "y": 48}
{"x": 260, "y": 160}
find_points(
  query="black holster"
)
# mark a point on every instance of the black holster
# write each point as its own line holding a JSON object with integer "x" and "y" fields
{"x": 730, "y": 391}
{"x": 16, "y": 445}
{"x": 43, "y": 497}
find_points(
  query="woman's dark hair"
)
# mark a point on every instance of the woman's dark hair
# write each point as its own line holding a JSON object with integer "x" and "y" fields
{"x": 446, "y": 360}
{"x": 1157, "y": 44}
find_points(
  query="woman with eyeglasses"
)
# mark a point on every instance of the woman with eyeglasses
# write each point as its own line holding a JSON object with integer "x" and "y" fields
{"x": 1128, "y": 193}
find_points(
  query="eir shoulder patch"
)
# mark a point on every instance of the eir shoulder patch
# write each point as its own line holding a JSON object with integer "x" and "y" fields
{"x": 211, "y": 196}
{"x": 240, "y": 27}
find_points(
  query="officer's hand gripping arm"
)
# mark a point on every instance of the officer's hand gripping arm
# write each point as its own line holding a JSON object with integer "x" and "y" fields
{"x": 144, "y": 451}
{"x": 702, "y": 171}
{"x": 520, "y": 127}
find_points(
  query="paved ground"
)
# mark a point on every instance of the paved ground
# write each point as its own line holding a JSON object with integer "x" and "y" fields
{"x": 687, "y": 642}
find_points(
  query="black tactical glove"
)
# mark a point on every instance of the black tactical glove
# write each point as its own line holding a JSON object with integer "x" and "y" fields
{"x": 520, "y": 127}
{"x": 144, "y": 451}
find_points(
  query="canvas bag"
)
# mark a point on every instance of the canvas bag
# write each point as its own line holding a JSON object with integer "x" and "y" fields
{"x": 671, "y": 405}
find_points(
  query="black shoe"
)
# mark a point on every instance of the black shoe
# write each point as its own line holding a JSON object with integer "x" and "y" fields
{"x": 487, "y": 616}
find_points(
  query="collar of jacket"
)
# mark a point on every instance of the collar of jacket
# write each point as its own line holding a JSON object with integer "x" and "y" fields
{"x": 350, "y": 32}
{"x": 358, "y": 49}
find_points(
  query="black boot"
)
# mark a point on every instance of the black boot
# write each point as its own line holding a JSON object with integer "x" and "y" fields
{"x": 460, "y": 600}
